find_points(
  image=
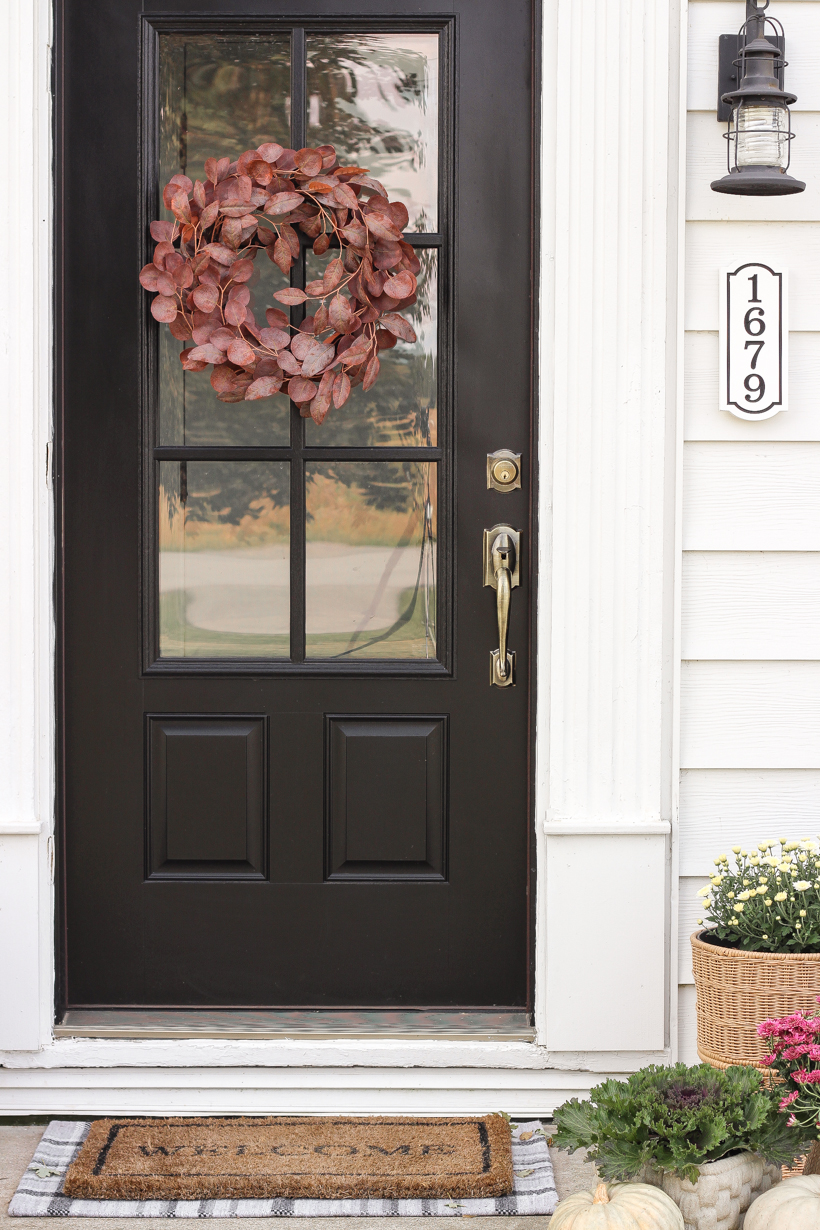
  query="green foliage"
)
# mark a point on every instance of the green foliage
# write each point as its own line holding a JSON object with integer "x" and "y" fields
{"x": 675, "y": 1119}
{"x": 769, "y": 901}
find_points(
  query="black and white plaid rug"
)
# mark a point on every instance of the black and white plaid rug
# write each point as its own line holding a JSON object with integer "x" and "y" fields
{"x": 40, "y": 1191}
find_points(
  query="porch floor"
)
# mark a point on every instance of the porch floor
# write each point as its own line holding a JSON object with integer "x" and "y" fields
{"x": 18, "y": 1142}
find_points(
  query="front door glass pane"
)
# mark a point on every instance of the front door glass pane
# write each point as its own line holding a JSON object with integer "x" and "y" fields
{"x": 375, "y": 97}
{"x": 220, "y": 94}
{"x": 224, "y": 559}
{"x": 370, "y": 587}
{"x": 401, "y": 408}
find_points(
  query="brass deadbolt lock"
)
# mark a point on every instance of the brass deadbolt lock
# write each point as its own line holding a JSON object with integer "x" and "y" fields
{"x": 503, "y": 470}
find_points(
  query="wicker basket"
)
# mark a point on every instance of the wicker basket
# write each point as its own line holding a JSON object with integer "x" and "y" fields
{"x": 737, "y": 990}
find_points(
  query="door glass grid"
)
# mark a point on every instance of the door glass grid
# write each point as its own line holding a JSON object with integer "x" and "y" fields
{"x": 279, "y": 539}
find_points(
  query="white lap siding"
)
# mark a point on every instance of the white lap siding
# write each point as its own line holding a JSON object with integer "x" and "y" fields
{"x": 750, "y": 582}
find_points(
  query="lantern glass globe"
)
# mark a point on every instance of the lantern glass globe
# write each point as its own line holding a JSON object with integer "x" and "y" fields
{"x": 762, "y": 135}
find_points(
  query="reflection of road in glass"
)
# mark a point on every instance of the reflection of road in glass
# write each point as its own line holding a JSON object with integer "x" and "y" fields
{"x": 244, "y": 590}
{"x": 349, "y": 589}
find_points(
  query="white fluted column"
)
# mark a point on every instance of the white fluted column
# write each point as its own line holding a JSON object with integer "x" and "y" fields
{"x": 609, "y": 383}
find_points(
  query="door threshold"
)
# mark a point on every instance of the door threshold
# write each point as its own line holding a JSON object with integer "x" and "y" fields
{"x": 261, "y": 1024}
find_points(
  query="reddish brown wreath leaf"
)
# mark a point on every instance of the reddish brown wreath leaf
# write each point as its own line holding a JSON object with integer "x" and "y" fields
{"x": 282, "y": 255}
{"x": 308, "y": 160}
{"x": 165, "y": 284}
{"x": 400, "y": 286}
{"x": 210, "y": 169}
{"x": 290, "y": 295}
{"x": 301, "y": 390}
{"x": 222, "y": 338}
{"x": 301, "y": 343}
{"x": 385, "y": 340}
{"x": 219, "y": 253}
{"x": 312, "y": 228}
{"x": 399, "y": 326}
{"x": 367, "y": 181}
{"x": 180, "y": 329}
{"x": 276, "y": 318}
{"x": 270, "y": 151}
{"x": 242, "y": 353}
{"x": 148, "y": 276}
{"x": 183, "y": 276}
{"x": 354, "y": 354}
{"x": 260, "y": 171}
{"x": 163, "y": 231}
{"x": 317, "y": 358}
{"x": 189, "y": 364}
{"x": 209, "y": 214}
{"x": 340, "y": 313}
{"x": 164, "y": 309}
{"x": 291, "y": 238}
{"x": 371, "y": 373}
{"x": 235, "y": 312}
{"x": 241, "y": 271}
{"x": 274, "y": 339}
{"x": 160, "y": 252}
{"x": 321, "y": 244}
{"x": 232, "y": 233}
{"x": 355, "y": 233}
{"x": 264, "y": 386}
{"x": 289, "y": 363}
{"x": 321, "y": 402}
{"x": 283, "y": 203}
{"x": 320, "y": 320}
{"x": 181, "y": 208}
{"x": 207, "y": 354}
{"x": 206, "y": 297}
{"x": 341, "y": 389}
{"x": 344, "y": 196}
{"x": 332, "y": 275}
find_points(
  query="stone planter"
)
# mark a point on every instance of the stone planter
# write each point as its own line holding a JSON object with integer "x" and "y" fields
{"x": 737, "y": 990}
{"x": 722, "y": 1194}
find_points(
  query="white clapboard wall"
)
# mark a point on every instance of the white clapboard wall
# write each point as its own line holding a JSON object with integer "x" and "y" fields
{"x": 750, "y": 596}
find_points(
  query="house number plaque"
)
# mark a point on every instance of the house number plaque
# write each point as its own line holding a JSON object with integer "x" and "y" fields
{"x": 754, "y": 338}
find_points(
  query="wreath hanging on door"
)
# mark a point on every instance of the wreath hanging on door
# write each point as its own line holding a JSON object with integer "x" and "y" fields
{"x": 204, "y": 258}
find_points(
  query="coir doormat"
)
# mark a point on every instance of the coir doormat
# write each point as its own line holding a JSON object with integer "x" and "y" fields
{"x": 327, "y": 1158}
{"x": 522, "y": 1160}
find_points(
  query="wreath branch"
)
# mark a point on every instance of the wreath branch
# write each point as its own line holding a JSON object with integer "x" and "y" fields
{"x": 205, "y": 257}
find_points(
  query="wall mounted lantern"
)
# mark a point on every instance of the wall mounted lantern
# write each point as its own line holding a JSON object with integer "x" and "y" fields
{"x": 757, "y": 108}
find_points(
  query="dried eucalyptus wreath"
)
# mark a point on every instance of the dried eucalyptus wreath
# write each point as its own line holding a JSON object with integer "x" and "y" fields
{"x": 204, "y": 258}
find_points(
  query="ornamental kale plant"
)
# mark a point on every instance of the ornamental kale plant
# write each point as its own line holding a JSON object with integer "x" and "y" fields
{"x": 675, "y": 1119}
{"x": 769, "y": 901}
{"x": 794, "y": 1053}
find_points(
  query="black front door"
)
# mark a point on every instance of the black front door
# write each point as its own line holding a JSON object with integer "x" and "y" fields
{"x": 287, "y": 778}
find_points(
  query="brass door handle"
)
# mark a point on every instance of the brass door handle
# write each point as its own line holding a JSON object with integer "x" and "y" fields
{"x": 502, "y": 545}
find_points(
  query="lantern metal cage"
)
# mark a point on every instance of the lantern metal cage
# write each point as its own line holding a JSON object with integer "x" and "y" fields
{"x": 759, "y": 135}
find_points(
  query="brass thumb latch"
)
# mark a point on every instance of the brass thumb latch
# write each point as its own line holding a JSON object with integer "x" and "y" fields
{"x": 502, "y": 549}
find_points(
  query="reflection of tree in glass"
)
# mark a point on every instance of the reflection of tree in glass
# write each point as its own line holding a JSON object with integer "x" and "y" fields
{"x": 221, "y": 92}
{"x": 226, "y": 492}
{"x": 401, "y": 93}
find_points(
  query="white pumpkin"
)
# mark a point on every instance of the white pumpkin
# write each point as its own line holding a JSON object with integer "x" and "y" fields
{"x": 791, "y": 1205}
{"x": 618, "y": 1206}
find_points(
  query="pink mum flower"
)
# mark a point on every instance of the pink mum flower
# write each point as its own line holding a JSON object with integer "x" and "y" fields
{"x": 787, "y": 1101}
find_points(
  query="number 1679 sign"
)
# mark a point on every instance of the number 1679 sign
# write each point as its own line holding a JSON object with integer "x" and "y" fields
{"x": 753, "y": 341}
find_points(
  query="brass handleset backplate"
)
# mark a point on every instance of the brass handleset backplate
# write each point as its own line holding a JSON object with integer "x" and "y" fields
{"x": 502, "y": 572}
{"x": 503, "y": 470}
